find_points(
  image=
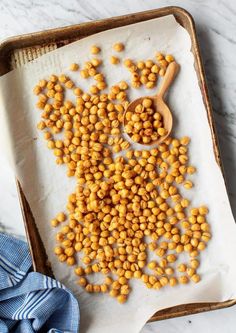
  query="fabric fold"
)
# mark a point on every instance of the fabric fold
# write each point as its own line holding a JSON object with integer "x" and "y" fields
{"x": 30, "y": 301}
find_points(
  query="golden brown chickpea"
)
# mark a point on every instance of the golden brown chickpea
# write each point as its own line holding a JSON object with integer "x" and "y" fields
{"x": 183, "y": 279}
{"x": 118, "y": 47}
{"x": 74, "y": 67}
{"x": 113, "y": 293}
{"x": 128, "y": 63}
{"x": 95, "y": 49}
{"x": 54, "y": 223}
{"x": 173, "y": 281}
{"x": 182, "y": 268}
{"x": 114, "y": 60}
{"x": 196, "y": 278}
{"x": 79, "y": 271}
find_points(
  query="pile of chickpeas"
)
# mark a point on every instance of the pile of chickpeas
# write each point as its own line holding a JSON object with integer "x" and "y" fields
{"x": 127, "y": 217}
{"x": 146, "y": 72}
{"x": 144, "y": 124}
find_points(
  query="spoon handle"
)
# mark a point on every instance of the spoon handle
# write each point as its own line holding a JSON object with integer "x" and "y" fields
{"x": 170, "y": 74}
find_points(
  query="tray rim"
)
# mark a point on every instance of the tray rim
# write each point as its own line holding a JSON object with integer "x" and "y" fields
{"x": 28, "y": 40}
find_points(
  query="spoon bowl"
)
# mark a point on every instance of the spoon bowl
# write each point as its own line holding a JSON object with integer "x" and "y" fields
{"x": 158, "y": 103}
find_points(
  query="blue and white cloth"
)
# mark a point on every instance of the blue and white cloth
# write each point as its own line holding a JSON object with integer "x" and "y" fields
{"x": 31, "y": 302}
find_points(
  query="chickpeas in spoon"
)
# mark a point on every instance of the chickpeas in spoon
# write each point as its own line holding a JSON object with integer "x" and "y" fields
{"x": 148, "y": 120}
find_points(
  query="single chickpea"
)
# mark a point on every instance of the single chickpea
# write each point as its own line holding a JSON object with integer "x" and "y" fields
{"x": 201, "y": 246}
{"x": 184, "y": 203}
{"x": 69, "y": 251}
{"x": 54, "y": 223}
{"x": 61, "y": 217}
{"x": 204, "y": 226}
{"x": 140, "y": 64}
{"x": 128, "y": 63}
{"x": 89, "y": 288}
{"x": 179, "y": 248}
{"x": 122, "y": 280}
{"x": 152, "y": 77}
{"x": 143, "y": 79}
{"x": 157, "y": 285}
{"x": 173, "y": 281}
{"x": 188, "y": 184}
{"x": 114, "y": 60}
{"x": 95, "y": 49}
{"x": 163, "y": 63}
{"x": 74, "y": 67}
{"x": 194, "y": 211}
{"x": 42, "y": 83}
{"x": 203, "y": 210}
{"x": 63, "y": 78}
{"x": 159, "y": 271}
{"x": 183, "y": 279}
{"x": 159, "y": 56}
{"x": 171, "y": 258}
{"x": 163, "y": 263}
{"x": 195, "y": 278}
{"x": 96, "y": 62}
{"x": 93, "y": 89}
{"x": 97, "y": 288}
{"x": 195, "y": 243}
{"x": 41, "y": 125}
{"x": 88, "y": 270}
{"x": 137, "y": 274}
{"x": 101, "y": 85}
{"x": 164, "y": 281}
{"x": 147, "y": 102}
{"x": 191, "y": 170}
{"x": 161, "y": 131}
{"x": 182, "y": 268}
{"x": 150, "y": 85}
{"x": 144, "y": 278}
{"x": 53, "y": 78}
{"x": 69, "y": 84}
{"x": 104, "y": 288}
{"x": 58, "y": 250}
{"x": 70, "y": 261}
{"x": 123, "y": 85}
{"x": 108, "y": 280}
{"x": 37, "y": 90}
{"x": 169, "y": 58}
{"x": 162, "y": 72}
{"x": 114, "y": 293}
{"x": 79, "y": 271}
{"x": 59, "y": 237}
{"x": 190, "y": 271}
{"x": 62, "y": 257}
{"x": 206, "y": 236}
{"x": 84, "y": 73}
{"x": 149, "y": 63}
{"x": 155, "y": 69}
{"x": 121, "y": 298}
{"x": 118, "y": 47}
{"x": 169, "y": 271}
{"x": 116, "y": 285}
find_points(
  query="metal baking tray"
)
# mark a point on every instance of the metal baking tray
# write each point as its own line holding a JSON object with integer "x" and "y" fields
{"x": 16, "y": 51}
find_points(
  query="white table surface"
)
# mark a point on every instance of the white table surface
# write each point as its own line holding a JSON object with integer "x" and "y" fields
{"x": 216, "y": 28}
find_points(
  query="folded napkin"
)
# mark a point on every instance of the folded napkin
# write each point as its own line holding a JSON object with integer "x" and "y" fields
{"x": 31, "y": 302}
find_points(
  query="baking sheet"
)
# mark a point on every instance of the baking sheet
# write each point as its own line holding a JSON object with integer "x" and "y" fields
{"x": 46, "y": 187}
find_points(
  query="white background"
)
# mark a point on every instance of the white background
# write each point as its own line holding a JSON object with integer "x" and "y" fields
{"x": 215, "y": 21}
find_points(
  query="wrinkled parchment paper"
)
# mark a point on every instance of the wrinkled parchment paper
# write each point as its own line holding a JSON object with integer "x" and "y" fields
{"x": 46, "y": 185}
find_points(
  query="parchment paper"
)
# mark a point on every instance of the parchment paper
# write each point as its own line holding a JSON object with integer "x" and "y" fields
{"x": 46, "y": 186}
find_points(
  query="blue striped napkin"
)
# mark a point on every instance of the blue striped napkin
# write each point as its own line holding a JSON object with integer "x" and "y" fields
{"x": 31, "y": 302}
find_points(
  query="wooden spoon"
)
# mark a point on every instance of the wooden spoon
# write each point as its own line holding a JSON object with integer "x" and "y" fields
{"x": 158, "y": 101}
